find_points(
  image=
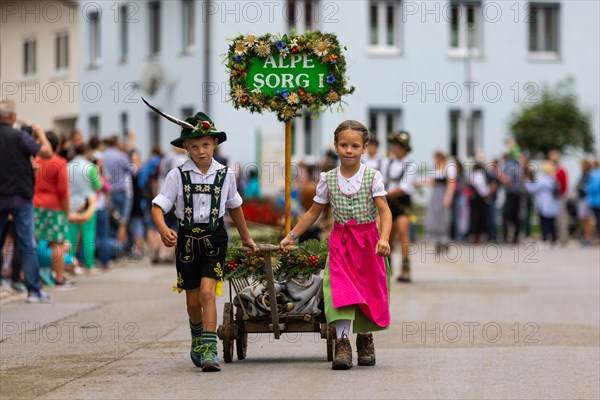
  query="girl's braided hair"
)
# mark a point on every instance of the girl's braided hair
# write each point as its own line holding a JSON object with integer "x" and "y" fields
{"x": 352, "y": 125}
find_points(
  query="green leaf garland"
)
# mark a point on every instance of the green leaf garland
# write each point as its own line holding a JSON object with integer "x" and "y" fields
{"x": 310, "y": 258}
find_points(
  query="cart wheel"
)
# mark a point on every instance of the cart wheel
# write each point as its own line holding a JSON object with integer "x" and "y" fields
{"x": 241, "y": 345}
{"x": 227, "y": 333}
{"x": 331, "y": 336}
{"x": 241, "y": 340}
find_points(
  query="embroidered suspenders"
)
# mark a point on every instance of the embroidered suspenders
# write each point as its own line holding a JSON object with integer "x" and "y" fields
{"x": 189, "y": 189}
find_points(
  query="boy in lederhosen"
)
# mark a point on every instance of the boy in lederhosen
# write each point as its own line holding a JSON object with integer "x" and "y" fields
{"x": 200, "y": 190}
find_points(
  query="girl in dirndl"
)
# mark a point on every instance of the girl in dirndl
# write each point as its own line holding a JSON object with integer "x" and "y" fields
{"x": 356, "y": 279}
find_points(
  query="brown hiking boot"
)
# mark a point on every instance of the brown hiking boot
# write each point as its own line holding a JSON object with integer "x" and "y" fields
{"x": 343, "y": 355}
{"x": 405, "y": 275}
{"x": 365, "y": 349}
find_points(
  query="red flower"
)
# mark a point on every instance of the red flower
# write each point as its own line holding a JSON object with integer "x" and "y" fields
{"x": 206, "y": 125}
{"x": 232, "y": 265}
{"x": 313, "y": 260}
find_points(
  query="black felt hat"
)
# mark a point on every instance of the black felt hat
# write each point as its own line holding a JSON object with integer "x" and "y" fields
{"x": 402, "y": 138}
{"x": 204, "y": 126}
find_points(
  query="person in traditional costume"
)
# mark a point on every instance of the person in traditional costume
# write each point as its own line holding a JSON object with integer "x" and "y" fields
{"x": 399, "y": 172}
{"x": 201, "y": 190}
{"x": 356, "y": 278}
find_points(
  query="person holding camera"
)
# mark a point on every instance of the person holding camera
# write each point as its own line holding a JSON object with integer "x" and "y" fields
{"x": 16, "y": 190}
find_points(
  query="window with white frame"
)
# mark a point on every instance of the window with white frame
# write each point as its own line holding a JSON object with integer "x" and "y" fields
{"x": 155, "y": 28}
{"x": 466, "y": 136}
{"x": 384, "y": 26}
{"x": 382, "y": 122}
{"x": 29, "y": 57}
{"x": 188, "y": 17}
{"x": 465, "y": 29}
{"x": 95, "y": 54}
{"x": 543, "y": 29}
{"x": 302, "y": 15}
{"x": 61, "y": 52}
{"x": 94, "y": 125}
{"x": 305, "y": 138}
{"x": 124, "y": 32}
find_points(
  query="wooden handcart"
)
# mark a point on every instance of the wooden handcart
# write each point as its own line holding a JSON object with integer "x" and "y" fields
{"x": 238, "y": 324}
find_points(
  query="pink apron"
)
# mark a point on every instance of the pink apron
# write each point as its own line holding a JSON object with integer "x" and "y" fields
{"x": 357, "y": 273}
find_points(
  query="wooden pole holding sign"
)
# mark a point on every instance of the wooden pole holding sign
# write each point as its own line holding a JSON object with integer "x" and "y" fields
{"x": 288, "y": 175}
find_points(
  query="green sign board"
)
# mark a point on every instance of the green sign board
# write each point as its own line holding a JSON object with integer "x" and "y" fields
{"x": 274, "y": 74}
{"x": 284, "y": 74}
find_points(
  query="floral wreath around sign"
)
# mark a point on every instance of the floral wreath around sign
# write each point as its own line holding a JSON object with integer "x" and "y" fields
{"x": 287, "y": 104}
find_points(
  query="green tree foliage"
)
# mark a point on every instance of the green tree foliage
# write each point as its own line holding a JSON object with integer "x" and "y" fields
{"x": 554, "y": 122}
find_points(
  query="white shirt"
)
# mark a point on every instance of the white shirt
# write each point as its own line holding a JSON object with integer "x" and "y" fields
{"x": 479, "y": 183}
{"x": 171, "y": 192}
{"x": 374, "y": 162}
{"x": 448, "y": 172}
{"x": 392, "y": 170}
{"x": 349, "y": 186}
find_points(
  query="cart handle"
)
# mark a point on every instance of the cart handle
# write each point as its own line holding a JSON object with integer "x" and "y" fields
{"x": 265, "y": 248}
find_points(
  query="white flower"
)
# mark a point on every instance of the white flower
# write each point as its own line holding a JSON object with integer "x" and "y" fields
{"x": 293, "y": 98}
{"x": 240, "y": 47}
{"x": 294, "y": 43}
{"x": 238, "y": 92}
{"x": 256, "y": 91}
{"x": 250, "y": 40}
{"x": 263, "y": 49}
{"x": 322, "y": 47}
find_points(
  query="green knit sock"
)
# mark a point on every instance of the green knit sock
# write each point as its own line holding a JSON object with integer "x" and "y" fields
{"x": 209, "y": 338}
{"x": 196, "y": 329}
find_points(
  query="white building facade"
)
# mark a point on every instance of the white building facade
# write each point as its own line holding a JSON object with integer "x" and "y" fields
{"x": 39, "y": 61}
{"x": 452, "y": 73}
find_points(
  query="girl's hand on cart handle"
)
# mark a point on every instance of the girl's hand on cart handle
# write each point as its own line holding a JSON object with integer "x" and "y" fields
{"x": 383, "y": 248}
{"x": 287, "y": 241}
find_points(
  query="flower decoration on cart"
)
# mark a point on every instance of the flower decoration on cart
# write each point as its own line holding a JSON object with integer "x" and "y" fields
{"x": 309, "y": 259}
{"x": 285, "y": 74}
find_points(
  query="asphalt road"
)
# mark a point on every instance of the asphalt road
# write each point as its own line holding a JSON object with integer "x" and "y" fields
{"x": 481, "y": 322}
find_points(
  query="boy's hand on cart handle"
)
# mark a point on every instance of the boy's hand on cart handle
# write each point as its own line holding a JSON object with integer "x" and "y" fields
{"x": 169, "y": 237}
{"x": 250, "y": 246}
{"x": 383, "y": 248}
